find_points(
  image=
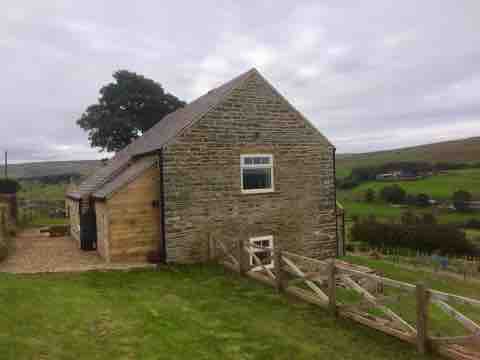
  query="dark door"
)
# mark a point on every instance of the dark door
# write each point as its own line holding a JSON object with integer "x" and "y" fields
{"x": 88, "y": 230}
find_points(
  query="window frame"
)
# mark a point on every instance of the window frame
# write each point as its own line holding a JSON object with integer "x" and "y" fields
{"x": 270, "y": 265}
{"x": 256, "y": 166}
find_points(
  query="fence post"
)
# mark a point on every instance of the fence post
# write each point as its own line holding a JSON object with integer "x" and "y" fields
{"x": 332, "y": 284}
{"x": 277, "y": 253}
{"x": 422, "y": 318}
{"x": 240, "y": 257}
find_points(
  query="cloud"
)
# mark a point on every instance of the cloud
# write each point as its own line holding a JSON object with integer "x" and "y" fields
{"x": 370, "y": 75}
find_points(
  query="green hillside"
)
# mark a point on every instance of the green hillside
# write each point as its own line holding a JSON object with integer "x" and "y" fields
{"x": 438, "y": 187}
{"x": 50, "y": 168}
{"x": 463, "y": 150}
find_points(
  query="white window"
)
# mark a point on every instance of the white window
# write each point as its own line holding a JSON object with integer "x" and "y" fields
{"x": 256, "y": 173}
{"x": 263, "y": 249}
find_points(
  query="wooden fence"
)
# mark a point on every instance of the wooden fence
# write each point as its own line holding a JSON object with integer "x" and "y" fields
{"x": 393, "y": 307}
{"x": 466, "y": 266}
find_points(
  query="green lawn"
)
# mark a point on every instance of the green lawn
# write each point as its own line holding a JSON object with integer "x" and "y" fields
{"x": 191, "y": 312}
{"x": 438, "y": 187}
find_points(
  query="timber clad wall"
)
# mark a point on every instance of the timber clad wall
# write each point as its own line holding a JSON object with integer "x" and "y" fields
{"x": 73, "y": 211}
{"x": 202, "y": 179}
{"x": 103, "y": 228}
{"x": 134, "y": 223}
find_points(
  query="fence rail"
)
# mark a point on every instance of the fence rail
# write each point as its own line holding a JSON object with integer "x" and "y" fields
{"x": 360, "y": 294}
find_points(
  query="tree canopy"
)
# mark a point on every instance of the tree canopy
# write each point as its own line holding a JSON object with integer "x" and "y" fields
{"x": 126, "y": 108}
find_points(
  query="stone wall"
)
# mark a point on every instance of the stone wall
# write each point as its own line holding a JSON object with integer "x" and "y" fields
{"x": 202, "y": 179}
{"x": 5, "y": 220}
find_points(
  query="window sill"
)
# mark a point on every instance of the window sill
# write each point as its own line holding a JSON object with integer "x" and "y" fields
{"x": 257, "y": 192}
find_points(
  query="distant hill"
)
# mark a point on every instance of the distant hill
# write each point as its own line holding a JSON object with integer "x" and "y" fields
{"x": 463, "y": 150}
{"x": 50, "y": 168}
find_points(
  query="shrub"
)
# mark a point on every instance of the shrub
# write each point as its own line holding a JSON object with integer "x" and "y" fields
{"x": 393, "y": 194}
{"x": 472, "y": 224}
{"x": 423, "y": 200}
{"x": 9, "y": 186}
{"x": 420, "y": 236}
{"x": 370, "y": 195}
{"x": 461, "y": 199}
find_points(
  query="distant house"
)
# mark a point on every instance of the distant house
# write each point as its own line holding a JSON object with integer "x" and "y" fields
{"x": 238, "y": 163}
{"x": 397, "y": 175}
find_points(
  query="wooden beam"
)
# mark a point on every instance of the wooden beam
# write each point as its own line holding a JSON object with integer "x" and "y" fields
{"x": 259, "y": 262}
{"x": 306, "y": 296}
{"x": 465, "y": 321}
{"x": 369, "y": 297}
{"x": 332, "y": 287}
{"x": 422, "y": 319}
{"x": 408, "y": 337}
{"x": 262, "y": 278}
{"x": 225, "y": 251}
{"x": 309, "y": 283}
{"x": 279, "y": 274}
{"x": 386, "y": 281}
{"x": 453, "y": 340}
{"x": 447, "y": 296}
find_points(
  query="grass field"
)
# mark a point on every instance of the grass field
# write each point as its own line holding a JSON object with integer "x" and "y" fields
{"x": 385, "y": 211}
{"x": 194, "y": 312}
{"x": 47, "y": 192}
{"x": 439, "y": 187}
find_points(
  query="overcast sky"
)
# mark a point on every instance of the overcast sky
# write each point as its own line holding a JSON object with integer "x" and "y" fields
{"x": 370, "y": 74}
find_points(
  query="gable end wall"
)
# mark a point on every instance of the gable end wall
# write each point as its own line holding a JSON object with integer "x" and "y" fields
{"x": 202, "y": 179}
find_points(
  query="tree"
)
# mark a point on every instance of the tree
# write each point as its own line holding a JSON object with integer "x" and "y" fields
{"x": 127, "y": 108}
{"x": 370, "y": 195}
{"x": 461, "y": 199}
{"x": 423, "y": 200}
{"x": 393, "y": 194}
{"x": 9, "y": 186}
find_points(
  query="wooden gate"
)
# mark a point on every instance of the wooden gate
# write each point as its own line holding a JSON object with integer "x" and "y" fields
{"x": 406, "y": 311}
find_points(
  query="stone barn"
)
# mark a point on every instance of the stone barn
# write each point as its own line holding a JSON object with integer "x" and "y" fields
{"x": 239, "y": 162}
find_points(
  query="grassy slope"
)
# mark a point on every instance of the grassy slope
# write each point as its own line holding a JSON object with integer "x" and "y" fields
{"x": 35, "y": 191}
{"x": 49, "y": 168}
{"x": 464, "y": 150}
{"x": 182, "y": 313}
{"x": 438, "y": 187}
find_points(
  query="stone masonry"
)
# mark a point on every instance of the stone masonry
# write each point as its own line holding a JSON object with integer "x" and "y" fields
{"x": 202, "y": 184}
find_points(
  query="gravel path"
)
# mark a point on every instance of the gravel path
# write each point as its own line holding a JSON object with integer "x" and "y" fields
{"x": 34, "y": 252}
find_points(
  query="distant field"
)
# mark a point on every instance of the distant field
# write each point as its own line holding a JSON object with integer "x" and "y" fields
{"x": 387, "y": 212}
{"x": 47, "y": 192}
{"x": 50, "y": 168}
{"x": 464, "y": 150}
{"x": 438, "y": 187}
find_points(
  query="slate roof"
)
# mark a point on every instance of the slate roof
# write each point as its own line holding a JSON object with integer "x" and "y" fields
{"x": 158, "y": 136}
{"x": 128, "y": 175}
{"x": 125, "y": 165}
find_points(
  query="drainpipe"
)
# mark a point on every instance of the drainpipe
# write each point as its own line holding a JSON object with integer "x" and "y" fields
{"x": 162, "y": 246}
{"x": 335, "y": 199}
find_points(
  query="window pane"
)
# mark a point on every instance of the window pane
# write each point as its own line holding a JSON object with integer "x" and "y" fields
{"x": 257, "y": 179}
{"x": 264, "y": 257}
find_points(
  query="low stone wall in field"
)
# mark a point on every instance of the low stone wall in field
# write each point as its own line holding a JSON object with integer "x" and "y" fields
{"x": 4, "y": 231}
